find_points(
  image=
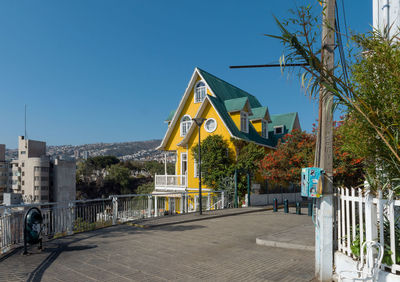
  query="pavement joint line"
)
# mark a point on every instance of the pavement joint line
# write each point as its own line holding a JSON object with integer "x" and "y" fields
{"x": 284, "y": 245}
{"x": 205, "y": 217}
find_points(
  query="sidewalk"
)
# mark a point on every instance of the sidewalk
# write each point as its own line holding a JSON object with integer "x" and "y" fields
{"x": 191, "y": 217}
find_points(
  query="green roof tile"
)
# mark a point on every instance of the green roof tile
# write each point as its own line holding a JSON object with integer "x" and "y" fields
{"x": 258, "y": 113}
{"x": 236, "y": 104}
{"x": 252, "y": 136}
{"x": 170, "y": 116}
{"x": 287, "y": 120}
{"x": 226, "y": 91}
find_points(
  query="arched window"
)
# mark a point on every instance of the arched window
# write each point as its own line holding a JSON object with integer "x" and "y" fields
{"x": 186, "y": 122}
{"x": 200, "y": 92}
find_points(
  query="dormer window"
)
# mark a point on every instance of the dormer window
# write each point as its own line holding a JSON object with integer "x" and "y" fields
{"x": 278, "y": 129}
{"x": 200, "y": 92}
{"x": 186, "y": 122}
{"x": 244, "y": 122}
{"x": 264, "y": 129}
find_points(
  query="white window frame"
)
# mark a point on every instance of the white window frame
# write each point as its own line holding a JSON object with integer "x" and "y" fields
{"x": 244, "y": 126}
{"x": 205, "y": 127}
{"x": 185, "y": 125}
{"x": 264, "y": 128}
{"x": 276, "y": 127}
{"x": 200, "y": 96}
{"x": 195, "y": 169}
{"x": 187, "y": 164}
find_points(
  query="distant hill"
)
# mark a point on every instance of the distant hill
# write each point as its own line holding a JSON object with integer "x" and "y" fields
{"x": 138, "y": 150}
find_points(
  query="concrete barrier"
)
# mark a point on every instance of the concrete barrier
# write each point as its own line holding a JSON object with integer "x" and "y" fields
{"x": 267, "y": 199}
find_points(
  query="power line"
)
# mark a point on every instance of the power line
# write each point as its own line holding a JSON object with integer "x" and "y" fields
{"x": 268, "y": 66}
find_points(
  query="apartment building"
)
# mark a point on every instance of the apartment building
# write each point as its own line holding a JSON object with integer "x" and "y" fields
{"x": 38, "y": 178}
{"x": 3, "y": 171}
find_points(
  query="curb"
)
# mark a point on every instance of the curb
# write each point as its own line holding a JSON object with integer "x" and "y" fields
{"x": 276, "y": 244}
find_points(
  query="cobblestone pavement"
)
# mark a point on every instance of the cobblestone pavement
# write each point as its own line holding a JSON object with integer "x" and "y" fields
{"x": 216, "y": 249}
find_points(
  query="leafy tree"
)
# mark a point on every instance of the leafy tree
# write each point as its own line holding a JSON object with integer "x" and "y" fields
{"x": 100, "y": 162}
{"x": 216, "y": 160}
{"x": 369, "y": 92}
{"x": 119, "y": 175}
{"x": 146, "y": 188}
{"x": 248, "y": 158}
{"x": 283, "y": 166}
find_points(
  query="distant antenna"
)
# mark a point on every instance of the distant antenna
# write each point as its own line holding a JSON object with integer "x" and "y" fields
{"x": 25, "y": 136}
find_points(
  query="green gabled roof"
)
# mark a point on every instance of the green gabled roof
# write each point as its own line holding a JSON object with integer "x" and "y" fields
{"x": 170, "y": 116}
{"x": 236, "y": 104}
{"x": 252, "y": 136}
{"x": 287, "y": 120}
{"x": 226, "y": 91}
{"x": 258, "y": 113}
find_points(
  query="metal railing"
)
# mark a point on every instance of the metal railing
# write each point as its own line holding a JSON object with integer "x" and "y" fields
{"x": 170, "y": 181}
{"x": 61, "y": 219}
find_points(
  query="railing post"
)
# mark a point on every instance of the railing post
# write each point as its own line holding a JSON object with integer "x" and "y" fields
{"x": 155, "y": 206}
{"x": 71, "y": 218}
{"x": 370, "y": 222}
{"x": 223, "y": 199}
{"x": 208, "y": 201}
{"x": 115, "y": 210}
{"x": 149, "y": 205}
{"x": 195, "y": 203}
{"x": 181, "y": 203}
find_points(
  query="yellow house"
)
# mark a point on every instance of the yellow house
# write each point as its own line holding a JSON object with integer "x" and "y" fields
{"x": 230, "y": 112}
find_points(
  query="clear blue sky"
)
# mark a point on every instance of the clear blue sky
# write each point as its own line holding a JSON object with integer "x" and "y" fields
{"x": 111, "y": 71}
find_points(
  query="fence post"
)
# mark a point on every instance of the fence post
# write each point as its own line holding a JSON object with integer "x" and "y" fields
{"x": 149, "y": 205}
{"x": 181, "y": 203}
{"x": 155, "y": 206}
{"x": 71, "y": 218}
{"x": 370, "y": 222}
{"x": 208, "y": 201}
{"x": 195, "y": 203}
{"x": 223, "y": 199}
{"x": 115, "y": 210}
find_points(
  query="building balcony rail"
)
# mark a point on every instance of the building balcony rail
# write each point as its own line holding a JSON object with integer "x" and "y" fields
{"x": 179, "y": 181}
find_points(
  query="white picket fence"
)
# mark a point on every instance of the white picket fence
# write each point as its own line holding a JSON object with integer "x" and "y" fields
{"x": 360, "y": 214}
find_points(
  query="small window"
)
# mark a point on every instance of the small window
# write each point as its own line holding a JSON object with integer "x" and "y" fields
{"x": 278, "y": 129}
{"x": 264, "y": 132}
{"x": 200, "y": 92}
{"x": 186, "y": 122}
{"x": 23, "y": 152}
{"x": 210, "y": 125}
{"x": 244, "y": 122}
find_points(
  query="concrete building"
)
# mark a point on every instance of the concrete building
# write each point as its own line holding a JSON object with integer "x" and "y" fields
{"x": 38, "y": 178}
{"x": 3, "y": 171}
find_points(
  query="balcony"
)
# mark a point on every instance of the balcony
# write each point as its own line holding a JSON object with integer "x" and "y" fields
{"x": 170, "y": 182}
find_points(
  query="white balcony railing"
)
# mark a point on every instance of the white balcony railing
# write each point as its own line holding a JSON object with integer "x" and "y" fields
{"x": 170, "y": 181}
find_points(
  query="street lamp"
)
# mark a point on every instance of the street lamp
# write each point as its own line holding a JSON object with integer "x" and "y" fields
{"x": 199, "y": 121}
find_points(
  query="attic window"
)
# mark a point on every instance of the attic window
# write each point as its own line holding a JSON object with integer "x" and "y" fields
{"x": 278, "y": 129}
{"x": 264, "y": 129}
{"x": 244, "y": 122}
{"x": 200, "y": 92}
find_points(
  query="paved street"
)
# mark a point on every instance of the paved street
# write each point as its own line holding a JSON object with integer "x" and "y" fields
{"x": 217, "y": 249}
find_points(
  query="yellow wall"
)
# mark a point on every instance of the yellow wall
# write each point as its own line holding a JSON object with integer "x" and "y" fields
{"x": 209, "y": 112}
{"x": 191, "y": 109}
{"x": 257, "y": 126}
{"x": 236, "y": 118}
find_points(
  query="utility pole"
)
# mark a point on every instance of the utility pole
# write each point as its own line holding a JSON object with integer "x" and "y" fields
{"x": 324, "y": 155}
